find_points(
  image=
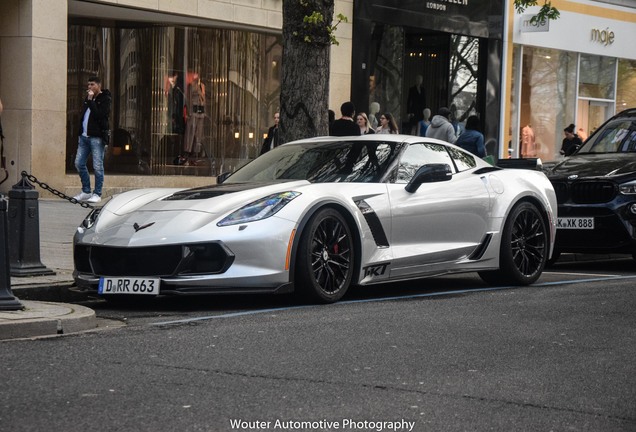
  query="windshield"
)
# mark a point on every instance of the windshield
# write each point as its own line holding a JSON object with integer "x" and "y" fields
{"x": 342, "y": 161}
{"x": 618, "y": 136}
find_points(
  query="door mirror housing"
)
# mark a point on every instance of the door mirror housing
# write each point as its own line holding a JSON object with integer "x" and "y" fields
{"x": 429, "y": 173}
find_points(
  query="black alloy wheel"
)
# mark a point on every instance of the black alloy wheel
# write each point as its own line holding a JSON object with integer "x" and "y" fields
{"x": 524, "y": 248}
{"x": 325, "y": 258}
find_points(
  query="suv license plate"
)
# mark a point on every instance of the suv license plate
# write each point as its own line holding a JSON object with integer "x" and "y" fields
{"x": 575, "y": 223}
{"x": 128, "y": 285}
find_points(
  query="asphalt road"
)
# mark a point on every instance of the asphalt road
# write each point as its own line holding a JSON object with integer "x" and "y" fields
{"x": 443, "y": 354}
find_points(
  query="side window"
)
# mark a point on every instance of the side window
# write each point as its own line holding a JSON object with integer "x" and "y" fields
{"x": 463, "y": 160}
{"x": 420, "y": 154}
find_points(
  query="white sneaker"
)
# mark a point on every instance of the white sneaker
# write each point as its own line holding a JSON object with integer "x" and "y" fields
{"x": 82, "y": 196}
{"x": 94, "y": 199}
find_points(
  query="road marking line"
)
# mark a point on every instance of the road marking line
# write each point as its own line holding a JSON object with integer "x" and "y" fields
{"x": 580, "y": 274}
{"x": 411, "y": 296}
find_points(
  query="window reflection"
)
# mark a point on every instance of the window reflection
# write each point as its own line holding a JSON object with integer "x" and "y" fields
{"x": 548, "y": 96}
{"x": 186, "y": 100}
{"x": 417, "y": 155}
{"x": 597, "y": 77}
{"x": 626, "y": 88}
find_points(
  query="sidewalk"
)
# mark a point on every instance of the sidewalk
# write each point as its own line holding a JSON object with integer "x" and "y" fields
{"x": 44, "y": 315}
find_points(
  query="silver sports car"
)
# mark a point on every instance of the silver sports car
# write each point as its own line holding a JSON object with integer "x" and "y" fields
{"x": 318, "y": 215}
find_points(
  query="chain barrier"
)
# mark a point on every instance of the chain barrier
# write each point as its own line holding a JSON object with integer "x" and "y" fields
{"x": 55, "y": 192}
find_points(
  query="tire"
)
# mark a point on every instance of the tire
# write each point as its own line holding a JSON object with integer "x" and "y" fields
{"x": 524, "y": 248}
{"x": 325, "y": 260}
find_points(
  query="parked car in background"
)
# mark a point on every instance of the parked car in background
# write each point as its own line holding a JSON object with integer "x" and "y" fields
{"x": 596, "y": 191}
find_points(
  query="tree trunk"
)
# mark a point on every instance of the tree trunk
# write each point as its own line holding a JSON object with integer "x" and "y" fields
{"x": 304, "y": 94}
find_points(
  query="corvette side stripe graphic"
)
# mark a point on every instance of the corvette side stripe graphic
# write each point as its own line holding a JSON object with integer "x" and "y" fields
{"x": 406, "y": 297}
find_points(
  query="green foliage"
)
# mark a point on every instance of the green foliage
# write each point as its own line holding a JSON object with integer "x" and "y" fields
{"x": 546, "y": 13}
{"x": 316, "y": 29}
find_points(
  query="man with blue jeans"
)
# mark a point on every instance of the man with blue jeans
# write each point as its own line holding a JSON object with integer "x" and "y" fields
{"x": 95, "y": 112}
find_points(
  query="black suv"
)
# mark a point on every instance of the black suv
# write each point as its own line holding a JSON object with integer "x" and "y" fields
{"x": 596, "y": 191}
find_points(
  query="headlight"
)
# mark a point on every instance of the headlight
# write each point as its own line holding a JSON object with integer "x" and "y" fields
{"x": 628, "y": 188}
{"x": 91, "y": 218}
{"x": 260, "y": 209}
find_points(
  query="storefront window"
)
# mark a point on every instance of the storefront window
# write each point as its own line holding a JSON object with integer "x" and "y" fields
{"x": 626, "y": 85}
{"x": 387, "y": 69}
{"x": 596, "y": 77}
{"x": 547, "y": 100}
{"x": 186, "y": 100}
{"x": 464, "y": 73}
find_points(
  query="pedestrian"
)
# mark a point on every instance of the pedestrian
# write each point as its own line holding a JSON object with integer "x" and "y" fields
{"x": 363, "y": 124}
{"x": 94, "y": 136}
{"x": 331, "y": 115}
{"x": 571, "y": 142}
{"x": 345, "y": 126}
{"x": 387, "y": 124}
{"x": 472, "y": 139}
{"x": 423, "y": 124}
{"x": 441, "y": 127}
{"x": 271, "y": 140}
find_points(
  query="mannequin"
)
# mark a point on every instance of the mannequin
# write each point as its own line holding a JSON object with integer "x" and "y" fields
{"x": 374, "y": 108}
{"x": 528, "y": 145}
{"x": 194, "y": 133}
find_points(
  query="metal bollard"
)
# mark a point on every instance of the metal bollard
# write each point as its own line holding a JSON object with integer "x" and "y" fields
{"x": 24, "y": 231}
{"x": 7, "y": 301}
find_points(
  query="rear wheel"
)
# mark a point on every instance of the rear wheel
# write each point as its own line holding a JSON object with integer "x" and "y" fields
{"x": 524, "y": 248}
{"x": 325, "y": 258}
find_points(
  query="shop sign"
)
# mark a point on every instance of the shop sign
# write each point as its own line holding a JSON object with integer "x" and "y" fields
{"x": 604, "y": 37}
{"x": 527, "y": 26}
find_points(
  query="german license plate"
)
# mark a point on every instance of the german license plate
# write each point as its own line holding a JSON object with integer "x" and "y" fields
{"x": 128, "y": 285}
{"x": 575, "y": 223}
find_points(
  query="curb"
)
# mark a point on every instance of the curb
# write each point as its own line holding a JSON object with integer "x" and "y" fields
{"x": 47, "y": 319}
{"x": 50, "y": 292}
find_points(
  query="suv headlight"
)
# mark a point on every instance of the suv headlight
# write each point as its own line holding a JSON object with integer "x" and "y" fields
{"x": 260, "y": 209}
{"x": 628, "y": 188}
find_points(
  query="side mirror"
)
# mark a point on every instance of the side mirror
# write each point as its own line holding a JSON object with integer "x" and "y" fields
{"x": 429, "y": 173}
{"x": 222, "y": 177}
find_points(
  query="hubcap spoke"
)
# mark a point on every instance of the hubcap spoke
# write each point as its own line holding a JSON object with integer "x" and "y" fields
{"x": 528, "y": 243}
{"x": 330, "y": 255}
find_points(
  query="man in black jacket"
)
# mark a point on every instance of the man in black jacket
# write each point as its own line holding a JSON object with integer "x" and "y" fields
{"x": 92, "y": 133}
{"x": 345, "y": 126}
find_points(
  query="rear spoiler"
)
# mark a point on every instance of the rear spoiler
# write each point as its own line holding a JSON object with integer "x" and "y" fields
{"x": 522, "y": 163}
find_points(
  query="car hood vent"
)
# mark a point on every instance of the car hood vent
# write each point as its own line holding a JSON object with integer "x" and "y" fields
{"x": 212, "y": 191}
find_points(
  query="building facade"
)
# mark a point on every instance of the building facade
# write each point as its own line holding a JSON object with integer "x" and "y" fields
{"x": 196, "y": 83}
{"x": 579, "y": 69}
{"x": 451, "y": 50}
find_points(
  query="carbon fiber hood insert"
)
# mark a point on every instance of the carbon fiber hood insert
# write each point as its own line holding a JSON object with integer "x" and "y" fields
{"x": 212, "y": 191}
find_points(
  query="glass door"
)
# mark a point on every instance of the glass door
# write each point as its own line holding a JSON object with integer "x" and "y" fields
{"x": 592, "y": 114}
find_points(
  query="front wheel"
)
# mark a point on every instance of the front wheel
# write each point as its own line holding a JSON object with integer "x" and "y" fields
{"x": 325, "y": 258}
{"x": 524, "y": 248}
